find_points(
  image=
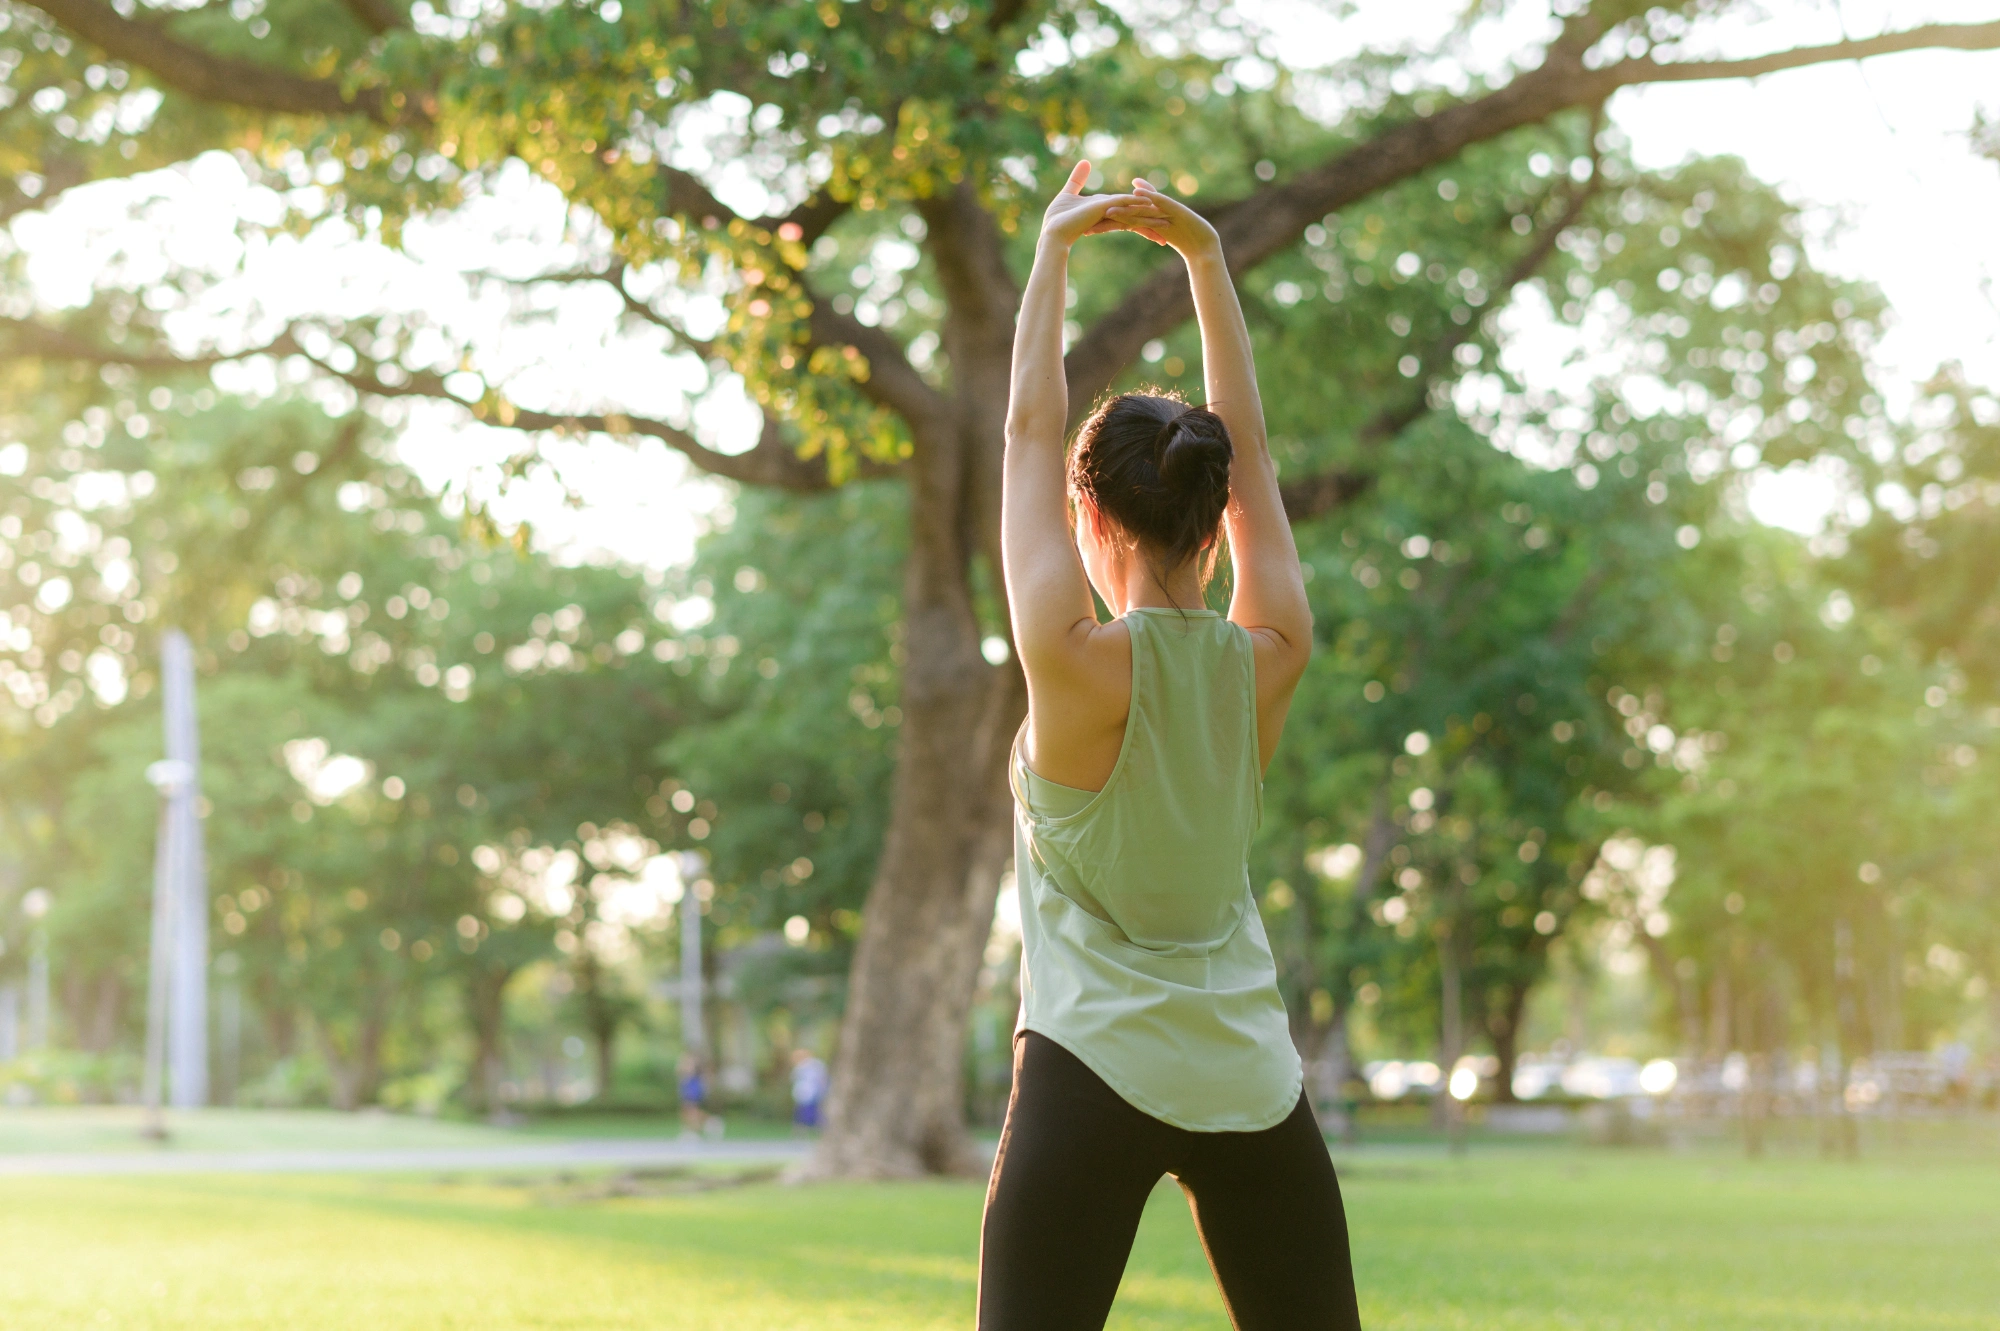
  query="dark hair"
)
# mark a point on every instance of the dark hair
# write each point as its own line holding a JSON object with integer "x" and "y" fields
{"x": 1159, "y": 468}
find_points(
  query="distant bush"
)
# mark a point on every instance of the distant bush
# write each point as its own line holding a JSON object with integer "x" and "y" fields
{"x": 291, "y": 1083}
{"x": 70, "y": 1077}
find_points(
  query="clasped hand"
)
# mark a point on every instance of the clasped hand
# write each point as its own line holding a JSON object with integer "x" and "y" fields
{"x": 1072, "y": 215}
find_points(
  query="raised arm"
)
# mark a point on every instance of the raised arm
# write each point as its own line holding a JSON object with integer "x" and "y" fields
{"x": 1270, "y": 592}
{"x": 1048, "y": 596}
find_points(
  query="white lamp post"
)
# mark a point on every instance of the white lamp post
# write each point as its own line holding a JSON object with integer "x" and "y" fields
{"x": 170, "y": 777}
{"x": 694, "y": 1038}
{"x": 35, "y": 905}
{"x": 187, "y": 1014}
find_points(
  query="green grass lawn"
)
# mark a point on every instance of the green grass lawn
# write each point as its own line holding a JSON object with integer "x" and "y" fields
{"x": 1557, "y": 1238}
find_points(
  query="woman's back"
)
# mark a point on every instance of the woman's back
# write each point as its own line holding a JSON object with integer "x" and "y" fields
{"x": 1142, "y": 951}
{"x": 1161, "y": 846}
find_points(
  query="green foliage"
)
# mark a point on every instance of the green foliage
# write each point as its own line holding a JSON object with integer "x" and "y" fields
{"x": 801, "y": 666}
{"x": 404, "y": 729}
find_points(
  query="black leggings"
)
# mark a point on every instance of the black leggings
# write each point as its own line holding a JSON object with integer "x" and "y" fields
{"x": 1076, "y": 1165}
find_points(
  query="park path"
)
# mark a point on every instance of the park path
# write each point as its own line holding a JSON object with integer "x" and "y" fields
{"x": 636, "y": 1153}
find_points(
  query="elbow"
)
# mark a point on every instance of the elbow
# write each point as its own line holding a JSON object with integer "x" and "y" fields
{"x": 1025, "y": 428}
{"x": 1299, "y": 634}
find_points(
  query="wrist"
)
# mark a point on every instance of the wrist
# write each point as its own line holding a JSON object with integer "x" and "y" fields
{"x": 1207, "y": 254}
{"x": 1051, "y": 246}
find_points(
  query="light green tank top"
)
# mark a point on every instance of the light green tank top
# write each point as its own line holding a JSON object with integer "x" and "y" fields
{"x": 1142, "y": 951}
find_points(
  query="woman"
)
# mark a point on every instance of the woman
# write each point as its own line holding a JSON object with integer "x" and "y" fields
{"x": 1152, "y": 1037}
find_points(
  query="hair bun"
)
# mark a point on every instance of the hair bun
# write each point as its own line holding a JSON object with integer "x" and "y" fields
{"x": 1158, "y": 468}
{"x": 1195, "y": 456}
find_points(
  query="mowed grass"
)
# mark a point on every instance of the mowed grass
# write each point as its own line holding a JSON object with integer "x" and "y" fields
{"x": 1548, "y": 1238}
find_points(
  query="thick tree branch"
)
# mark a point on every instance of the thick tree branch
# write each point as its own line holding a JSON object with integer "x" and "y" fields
{"x": 1932, "y": 37}
{"x": 1310, "y": 496}
{"x": 892, "y": 381}
{"x": 613, "y": 276}
{"x": 688, "y": 196}
{"x": 202, "y": 74}
{"x": 22, "y": 339}
{"x": 378, "y": 16}
{"x": 772, "y": 461}
{"x": 980, "y": 294}
{"x": 58, "y": 174}
{"x": 812, "y": 217}
{"x": 1004, "y": 13}
{"x": 1271, "y": 220}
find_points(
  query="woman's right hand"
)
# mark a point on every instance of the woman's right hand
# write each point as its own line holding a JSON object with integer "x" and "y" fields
{"x": 1165, "y": 220}
{"x": 1072, "y": 214}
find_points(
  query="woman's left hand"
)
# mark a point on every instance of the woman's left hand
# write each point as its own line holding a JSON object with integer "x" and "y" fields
{"x": 1072, "y": 214}
{"x": 1165, "y": 220}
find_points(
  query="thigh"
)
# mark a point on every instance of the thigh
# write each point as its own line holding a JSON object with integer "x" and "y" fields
{"x": 1076, "y": 1164}
{"x": 1268, "y": 1208}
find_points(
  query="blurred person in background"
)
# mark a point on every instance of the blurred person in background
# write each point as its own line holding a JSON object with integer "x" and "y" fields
{"x": 694, "y": 1095}
{"x": 809, "y": 1082}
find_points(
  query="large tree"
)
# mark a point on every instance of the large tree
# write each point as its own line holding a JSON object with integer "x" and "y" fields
{"x": 883, "y": 152}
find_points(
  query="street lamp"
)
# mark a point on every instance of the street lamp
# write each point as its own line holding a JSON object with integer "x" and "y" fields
{"x": 177, "y": 996}
{"x": 35, "y": 905}
{"x": 173, "y": 778}
{"x": 694, "y": 1038}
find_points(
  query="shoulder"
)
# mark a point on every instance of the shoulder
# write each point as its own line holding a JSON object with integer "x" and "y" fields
{"x": 1089, "y": 658}
{"x": 1079, "y": 687}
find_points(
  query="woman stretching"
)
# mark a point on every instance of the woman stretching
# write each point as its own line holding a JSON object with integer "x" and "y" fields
{"x": 1152, "y": 1037}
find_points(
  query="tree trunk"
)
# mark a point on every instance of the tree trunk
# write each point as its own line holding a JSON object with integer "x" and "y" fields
{"x": 1338, "y": 1060}
{"x": 1336, "y": 1066}
{"x": 1721, "y": 1034}
{"x": 1763, "y": 1035}
{"x": 896, "y": 1104}
{"x": 1446, "y": 1112}
{"x": 108, "y": 1014}
{"x": 485, "y": 1000}
{"x": 1847, "y": 1039}
{"x": 1756, "y": 1094}
{"x": 602, "y": 1015}
{"x": 1315, "y": 1036}
{"x": 355, "y": 1062}
{"x": 604, "y": 1043}
{"x": 1892, "y": 1034}
{"x": 1505, "y": 1028}
{"x": 281, "y": 1025}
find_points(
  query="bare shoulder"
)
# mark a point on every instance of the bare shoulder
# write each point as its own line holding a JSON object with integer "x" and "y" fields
{"x": 1085, "y": 664}
{"x": 1078, "y": 699}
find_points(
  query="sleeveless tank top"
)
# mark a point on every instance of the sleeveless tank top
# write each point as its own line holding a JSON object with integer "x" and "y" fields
{"x": 1142, "y": 952}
